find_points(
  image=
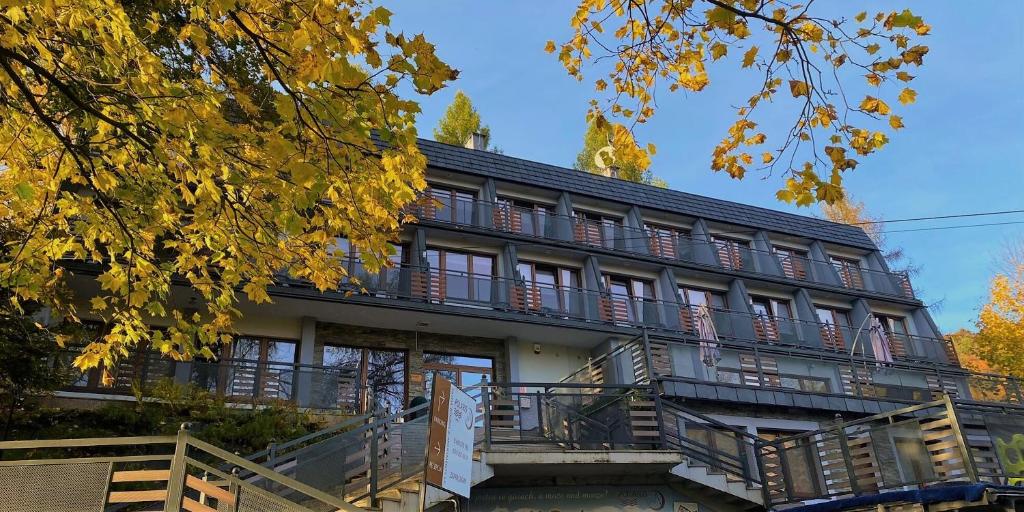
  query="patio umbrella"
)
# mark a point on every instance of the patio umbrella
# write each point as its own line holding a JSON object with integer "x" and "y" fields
{"x": 709, "y": 352}
{"x": 880, "y": 342}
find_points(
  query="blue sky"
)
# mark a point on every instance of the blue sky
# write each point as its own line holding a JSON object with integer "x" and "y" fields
{"x": 962, "y": 150}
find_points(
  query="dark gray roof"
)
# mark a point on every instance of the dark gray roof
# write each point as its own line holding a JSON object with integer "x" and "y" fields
{"x": 517, "y": 170}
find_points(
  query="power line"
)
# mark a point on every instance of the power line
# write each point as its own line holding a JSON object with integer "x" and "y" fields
{"x": 939, "y": 228}
{"x": 936, "y": 217}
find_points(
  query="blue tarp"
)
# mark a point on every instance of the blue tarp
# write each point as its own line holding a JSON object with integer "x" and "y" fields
{"x": 938, "y": 494}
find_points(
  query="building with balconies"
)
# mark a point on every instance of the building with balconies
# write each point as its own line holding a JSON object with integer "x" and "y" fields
{"x": 629, "y": 346}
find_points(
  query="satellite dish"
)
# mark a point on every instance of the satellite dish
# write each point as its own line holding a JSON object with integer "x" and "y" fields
{"x": 604, "y": 157}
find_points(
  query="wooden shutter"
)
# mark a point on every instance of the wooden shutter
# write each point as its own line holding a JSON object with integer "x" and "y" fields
{"x": 794, "y": 268}
{"x": 897, "y": 344}
{"x": 766, "y": 328}
{"x": 751, "y": 376}
{"x": 866, "y": 471}
{"x": 832, "y": 337}
{"x": 686, "y": 321}
{"x": 855, "y": 378}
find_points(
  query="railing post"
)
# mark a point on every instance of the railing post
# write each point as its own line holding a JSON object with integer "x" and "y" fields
{"x": 961, "y": 440}
{"x": 485, "y": 398}
{"x": 766, "y": 495}
{"x": 844, "y": 446}
{"x": 649, "y": 358}
{"x": 374, "y": 470}
{"x": 176, "y": 480}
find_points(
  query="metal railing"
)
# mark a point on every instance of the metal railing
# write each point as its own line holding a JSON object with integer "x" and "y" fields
{"x": 707, "y": 442}
{"x": 170, "y": 472}
{"x": 915, "y": 447}
{"x": 543, "y": 222}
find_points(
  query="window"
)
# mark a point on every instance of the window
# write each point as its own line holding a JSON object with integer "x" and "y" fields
{"x": 793, "y": 262}
{"x": 522, "y": 217}
{"x": 769, "y": 313}
{"x": 251, "y": 367}
{"x": 598, "y": 230}
{"x": 804, "y": 383}
{"x": 663, "y": 241}
{"x": 142, "y": 365}
{"x": 370, "y": 378}
{"x": 732, "y": 254}
{"x": 449, "y": 204}
{"x": 691, "y": 299}
{"x": 849, "y": 271}
{"x": 629, "y": 299}
{"x": 384, "y": 280}
{"x": 834, "y": 327}
{"x": 463, "y": 371}
{"x": 550, "y": 288}
{"x": 896, "y": 333}
{"x": 456, "y": 276}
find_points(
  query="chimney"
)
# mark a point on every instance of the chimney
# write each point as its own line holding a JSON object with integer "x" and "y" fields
{"x": 477, "y": 141}
{"x": 613, "y": 171}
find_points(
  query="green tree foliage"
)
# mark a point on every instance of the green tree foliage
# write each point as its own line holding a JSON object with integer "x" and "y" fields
{"x": 632, "y": 167}
{"x": 459, "y": 122}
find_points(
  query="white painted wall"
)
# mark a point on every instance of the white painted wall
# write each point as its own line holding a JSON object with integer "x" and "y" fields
{"x": 552, "y": 364}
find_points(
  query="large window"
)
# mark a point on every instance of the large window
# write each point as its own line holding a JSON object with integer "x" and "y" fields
{"x": 597, "y": 229}
{"x": 691, "y": 298}
{"x": 664, "y": 241}
{"x": 550, "y": 288}
{"x": 732, "y": 253}
{"x": 523, "y": 217}
{"x": 771, "y": 317}
{"x": 141, "y": 366}
{"x": 450, "y": 204}
{"x": 461, "y": 276}
{"x": 384, "y": 280}
{"x": 793, "y": 261}
{"x": 631, "y": 299}
{"x": 834, "y": 326}
{"x": 849, "y": 271}
{"x": 251, "y": 367}
{"x": 463, "y": 371}
{"x": 371, "y": 378}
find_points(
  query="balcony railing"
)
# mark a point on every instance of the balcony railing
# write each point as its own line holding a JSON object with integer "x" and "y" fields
{"x": 542, "y": 222}
{"x": 237, "y": 380}
{"x": 912, "y": 448}
{"x": 839, "y": 374}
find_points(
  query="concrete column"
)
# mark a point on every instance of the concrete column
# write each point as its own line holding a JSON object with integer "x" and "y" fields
{"x": 486, "y": 198}
{"x": 635, "y": 236}
{"x": 860, "y": 330}
{"x": 563, "y": 218}
{"x": 668, "y": 292}
{"x": 702, "y": 250}
{"x": 306, "y": 378}
{"x": 739, "y": 301}
{"x": 593, "y": 285}
{"x": 824, "y": 272}
{"x": 809, "y": 333}
{"x": 512, "y": 356}
{"x": 764, "y": 259}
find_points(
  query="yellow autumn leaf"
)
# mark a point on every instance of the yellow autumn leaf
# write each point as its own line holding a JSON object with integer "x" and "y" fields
{"x": 549, "y": 47}
{"x": 798, "y": 88}
{"x": 907, "y": 96}
{"x": 896, "y": 122}
{"x": 749, "y": 56}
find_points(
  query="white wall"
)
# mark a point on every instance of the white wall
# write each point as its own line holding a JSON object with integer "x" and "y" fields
{"x": 552, "y": 364}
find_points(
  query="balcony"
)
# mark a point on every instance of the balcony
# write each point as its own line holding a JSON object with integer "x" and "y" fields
{"x": 236, "y": 380}
{"x": 933, "y": 444}
{"x": 462, "y": 289}
{"x": 543, "y": 222}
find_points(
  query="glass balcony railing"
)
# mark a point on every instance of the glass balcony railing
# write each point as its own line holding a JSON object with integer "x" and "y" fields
{"x": 543, "y": 222}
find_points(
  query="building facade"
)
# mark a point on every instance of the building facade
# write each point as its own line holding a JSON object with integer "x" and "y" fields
{"x": 629, "y": 346}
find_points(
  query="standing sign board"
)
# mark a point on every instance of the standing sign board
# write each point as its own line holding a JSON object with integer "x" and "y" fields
{"x": 450, "y": 438}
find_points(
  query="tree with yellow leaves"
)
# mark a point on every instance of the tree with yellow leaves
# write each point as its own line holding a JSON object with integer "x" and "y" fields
{"x": 639, "y": 47}
{"x": 634, "y": 166}
{"x": 221, "y": 144}
{"x": 1000, "y": 338}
